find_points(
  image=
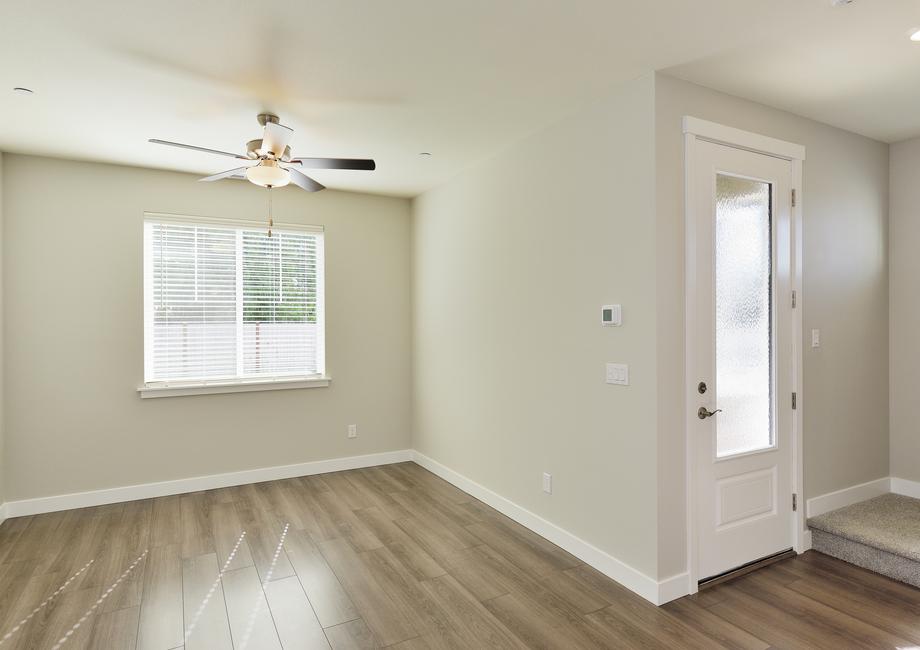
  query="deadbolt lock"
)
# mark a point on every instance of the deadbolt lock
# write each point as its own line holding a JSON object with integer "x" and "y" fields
{"x": 701, "y": 387}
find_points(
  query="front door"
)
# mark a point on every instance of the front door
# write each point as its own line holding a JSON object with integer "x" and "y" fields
{"x": 742, "y": 432}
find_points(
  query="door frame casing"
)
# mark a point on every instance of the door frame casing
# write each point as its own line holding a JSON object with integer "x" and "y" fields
{"x": 695, "y": 130}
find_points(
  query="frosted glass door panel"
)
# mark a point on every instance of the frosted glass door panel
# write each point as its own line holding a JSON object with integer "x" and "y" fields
{"x": 744, "y": 376}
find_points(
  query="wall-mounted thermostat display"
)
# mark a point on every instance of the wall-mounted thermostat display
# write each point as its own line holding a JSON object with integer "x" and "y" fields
{"x": 611, "y": 316}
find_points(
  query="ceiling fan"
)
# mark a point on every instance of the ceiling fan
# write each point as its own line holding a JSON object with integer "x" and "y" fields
{"x": 272, "y": 164}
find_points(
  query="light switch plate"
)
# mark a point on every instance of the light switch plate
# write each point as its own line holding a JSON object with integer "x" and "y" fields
{"x": 816, "y": 338}
{"x": 618, "y": 373}
{"x": 547, "y": 482}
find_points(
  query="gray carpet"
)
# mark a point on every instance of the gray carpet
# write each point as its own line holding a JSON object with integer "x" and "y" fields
{"x": 890, "y": 523}
{"x": 868, "y": 557}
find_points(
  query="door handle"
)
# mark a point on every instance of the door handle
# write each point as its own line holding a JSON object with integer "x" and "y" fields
{"x": 704, "y": 413}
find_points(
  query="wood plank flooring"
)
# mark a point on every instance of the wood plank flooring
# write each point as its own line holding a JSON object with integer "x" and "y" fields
{"x": 388, "y": 557}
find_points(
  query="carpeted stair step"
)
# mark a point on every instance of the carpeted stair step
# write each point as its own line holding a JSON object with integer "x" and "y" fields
{"x": 881, "y": 534}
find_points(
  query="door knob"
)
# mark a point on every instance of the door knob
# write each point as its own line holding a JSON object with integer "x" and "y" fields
{"x": 704, "y": 413}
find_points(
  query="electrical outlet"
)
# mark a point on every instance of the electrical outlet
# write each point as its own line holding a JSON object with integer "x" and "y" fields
{"x": 547, "y": 482}
{"x": 816, "y": 338}
{"x": 352, "y": 430}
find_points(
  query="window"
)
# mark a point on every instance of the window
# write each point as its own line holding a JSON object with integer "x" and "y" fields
{"x": 226, "y": 304}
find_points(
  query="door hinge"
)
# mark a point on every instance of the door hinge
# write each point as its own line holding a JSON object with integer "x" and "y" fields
{"x": 793, "y": 198}
{"x": 793, "y": 299}
{"x": 793, "y": 401}
{"x": 795, "y": 502}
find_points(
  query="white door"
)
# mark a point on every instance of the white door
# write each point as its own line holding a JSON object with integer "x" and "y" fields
{"x": 743, "y": 412}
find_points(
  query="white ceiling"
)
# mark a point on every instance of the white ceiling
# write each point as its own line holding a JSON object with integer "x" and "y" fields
{"x": 856, "y": 69}
{"x": 390, "y": 78}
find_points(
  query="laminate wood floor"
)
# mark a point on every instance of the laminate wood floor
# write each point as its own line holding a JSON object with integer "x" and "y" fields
{"x": 388, "y": 556}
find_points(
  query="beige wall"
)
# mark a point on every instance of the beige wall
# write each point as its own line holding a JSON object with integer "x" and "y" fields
{"x": 904, "y": 241}
{"x": 74, "y": 333}
{"x": 845, "y": 295}
{"x": 512, "y": 261}
{"x": 2, "y": 318}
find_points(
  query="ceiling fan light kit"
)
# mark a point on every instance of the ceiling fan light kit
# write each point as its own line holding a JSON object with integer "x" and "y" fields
{"x": 268, "y": 173}
{"x": 274, "y": 166}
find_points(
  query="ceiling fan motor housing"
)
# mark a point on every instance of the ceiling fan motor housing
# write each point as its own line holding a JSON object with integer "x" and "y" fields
{"x": 254, "y": 151}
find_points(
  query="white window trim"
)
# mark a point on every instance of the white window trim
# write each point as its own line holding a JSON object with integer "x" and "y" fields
{"x": 179, "y": 388}
{"x": 167, "y": 217}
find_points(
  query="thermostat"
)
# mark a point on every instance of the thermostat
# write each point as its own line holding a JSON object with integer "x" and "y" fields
{"x": 611, "y": 316}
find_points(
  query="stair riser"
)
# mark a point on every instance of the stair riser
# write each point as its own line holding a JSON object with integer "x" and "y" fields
{"x": 867, "y": 557}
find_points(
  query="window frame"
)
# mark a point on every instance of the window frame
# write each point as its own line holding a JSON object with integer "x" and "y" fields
{"x": 174, "y": 388}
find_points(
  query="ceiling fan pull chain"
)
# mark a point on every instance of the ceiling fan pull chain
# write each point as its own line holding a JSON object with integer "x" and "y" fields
{"x": 271, "y": 222}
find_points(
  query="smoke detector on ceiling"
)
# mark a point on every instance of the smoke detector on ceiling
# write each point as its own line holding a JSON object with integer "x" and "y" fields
{"x": 840, "y": 3}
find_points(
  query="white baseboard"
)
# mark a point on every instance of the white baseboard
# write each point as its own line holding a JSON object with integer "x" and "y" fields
{"x": 182, "y": 486}
{"x": 3, "y": 516}
{"x": 655, "y": 592}
{"x": 847, "y": 496}
{"x": 905, "y": 487}
{"x": 672, "y": 588}
{"x": 856, "y": 493}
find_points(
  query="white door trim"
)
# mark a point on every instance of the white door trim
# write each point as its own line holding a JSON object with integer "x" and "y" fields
{"x": 727, "y": 135}
{"x": 694, "y": 130}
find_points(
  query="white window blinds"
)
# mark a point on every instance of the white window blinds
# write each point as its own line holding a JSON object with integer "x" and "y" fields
{"x": 226, "y": 302}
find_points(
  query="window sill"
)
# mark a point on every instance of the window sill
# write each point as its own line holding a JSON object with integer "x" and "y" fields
{"x": 211, "y": 388}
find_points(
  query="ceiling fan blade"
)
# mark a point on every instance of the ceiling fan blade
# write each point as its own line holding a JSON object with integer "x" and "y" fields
{"x": 335, "y": 163}
{"x": 239, "y": 172}
{"x": 194, "y": 148}
{"x": 276, "y": 137}
{"x": 304, "y": 182}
